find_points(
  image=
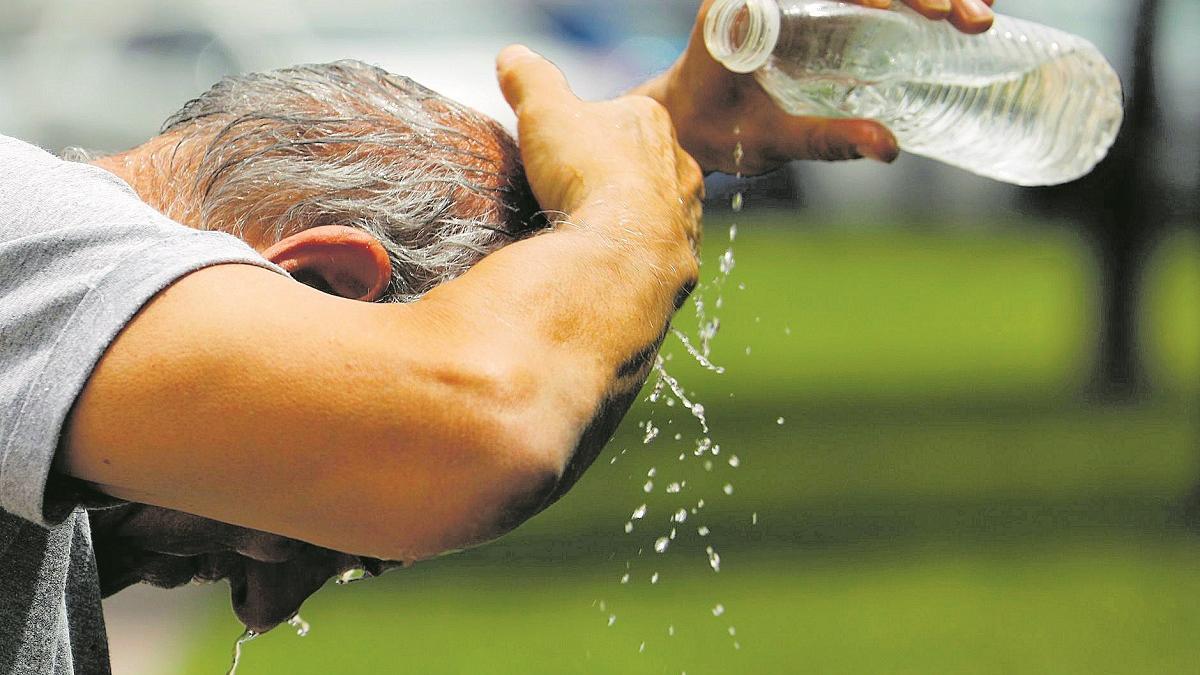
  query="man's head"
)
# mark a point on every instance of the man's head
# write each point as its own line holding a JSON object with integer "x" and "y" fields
{"x": 332, "y": 169}
{"x": 355, "y": 181}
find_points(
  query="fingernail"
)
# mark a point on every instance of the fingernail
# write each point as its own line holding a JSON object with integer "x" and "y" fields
{"x": 941, "y": 6}
{"x": 976, "y": 9}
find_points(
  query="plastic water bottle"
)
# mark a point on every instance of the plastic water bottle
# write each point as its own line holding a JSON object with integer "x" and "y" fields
{"x": 1022, "y": 103}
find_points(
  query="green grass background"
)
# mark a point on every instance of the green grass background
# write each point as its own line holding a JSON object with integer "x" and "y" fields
{"x": 942, "y": 497}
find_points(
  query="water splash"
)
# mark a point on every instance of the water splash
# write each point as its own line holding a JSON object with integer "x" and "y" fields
{"x": 651, "y": 433}
{"x": 245, "y": 637}
{"x": 701, "y": 358}
{"x": 714, "y": 559}
{"x": 302, "y": 627}
{"x": 696, "y": 409}
{"x": 351, "y": 575}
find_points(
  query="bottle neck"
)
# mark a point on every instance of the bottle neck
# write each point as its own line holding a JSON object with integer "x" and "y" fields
{"x": 741, "y": 34}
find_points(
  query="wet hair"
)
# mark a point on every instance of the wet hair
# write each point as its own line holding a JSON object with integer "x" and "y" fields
{"x": 345, "y": 143}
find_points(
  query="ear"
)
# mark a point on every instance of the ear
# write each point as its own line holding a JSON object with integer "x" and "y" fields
{"x": 336, "y": 259}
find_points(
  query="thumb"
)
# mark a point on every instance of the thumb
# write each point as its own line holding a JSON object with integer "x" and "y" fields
{"x": 528, "y": 80}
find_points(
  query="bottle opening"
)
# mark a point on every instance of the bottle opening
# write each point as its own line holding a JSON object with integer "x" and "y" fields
{"x": 741, "y": 34}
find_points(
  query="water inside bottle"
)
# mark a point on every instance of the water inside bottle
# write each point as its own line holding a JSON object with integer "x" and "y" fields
{"x": 1042, "y": 126}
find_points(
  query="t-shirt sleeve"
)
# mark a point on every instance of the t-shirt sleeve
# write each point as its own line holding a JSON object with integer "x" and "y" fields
{"x": 80, "y": 254}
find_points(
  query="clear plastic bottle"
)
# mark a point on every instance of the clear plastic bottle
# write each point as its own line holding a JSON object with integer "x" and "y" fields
{"x": 1022, "y": 103}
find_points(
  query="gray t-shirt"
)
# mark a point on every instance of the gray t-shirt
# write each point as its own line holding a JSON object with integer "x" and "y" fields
{"x": 79, "y": 256}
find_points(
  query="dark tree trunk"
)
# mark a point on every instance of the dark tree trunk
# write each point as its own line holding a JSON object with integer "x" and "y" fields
{"x": 1125, "y": 231}
{"x": 1121, "y": 206}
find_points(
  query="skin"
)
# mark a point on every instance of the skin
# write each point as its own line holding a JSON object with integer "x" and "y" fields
{"x": 707, "y": 102}
{"x": 511, "y": 385}
{"x": 503, "y": 370}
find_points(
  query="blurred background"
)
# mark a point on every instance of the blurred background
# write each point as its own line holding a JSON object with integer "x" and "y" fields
{"x": 964, "y": 415}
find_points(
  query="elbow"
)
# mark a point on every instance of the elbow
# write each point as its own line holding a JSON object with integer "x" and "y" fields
{"x": 503, "y": 465}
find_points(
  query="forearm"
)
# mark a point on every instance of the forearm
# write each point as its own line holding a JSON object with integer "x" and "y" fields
{"x": 397, "y": 431}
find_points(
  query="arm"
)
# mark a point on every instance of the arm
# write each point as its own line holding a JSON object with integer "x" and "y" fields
{"x": 707, "y": 102}
{"x": 402, "y": 431}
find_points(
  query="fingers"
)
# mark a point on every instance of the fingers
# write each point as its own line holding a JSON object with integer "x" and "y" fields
{"x": 968, "y": 16}
{"x": 931, "y": 9}
{"x": 830, "y": 139}
{"x": 972, "y": 16}
{"x": 527, "y": 79}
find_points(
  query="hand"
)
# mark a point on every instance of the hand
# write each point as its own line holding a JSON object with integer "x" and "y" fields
{"x": 578, "y": 153}
{"x": 707, "y": 102}
{"x": 269, "y": 576}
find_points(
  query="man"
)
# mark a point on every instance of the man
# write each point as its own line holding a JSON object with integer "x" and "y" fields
{"x": 150, "y": 363}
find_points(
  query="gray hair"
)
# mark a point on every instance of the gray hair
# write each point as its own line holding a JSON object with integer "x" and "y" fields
{"x": 344, "y": 143}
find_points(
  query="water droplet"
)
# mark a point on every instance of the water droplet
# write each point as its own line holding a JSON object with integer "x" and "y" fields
{"x": 612, "y": 618}
{"x": 671, "y": 631}
{"x": 302, "y": 627}
{"x": 245, "y": 637}
{"x": 673, "y": 488}
{"x": 641, "y": 647}
{"x": 700, "y": 504}
{"x": 628, "y": 527}
{"x": 714, "y": 559}
{"x": 718, "y": 610}
{"x": 679, "y": 437}
{"x": 739, "y": 153}
{"x": 735, "y": 462}
{"x": 732, "y": 630}
{"x": 352, "y": 575}
{"x": 733, "y": 232}
{"x": 787, "y": 330}
{"x": 602, "y": 607}
{"x": 625, "y": 578}
{"x": 747, "y": 350}
{"x": 780, "y": 421}
{"x": 754, "y": 518}
{"x": 726, "y": 262}
{"x": 702, "y": 531}
{"x": 639, "y": 513}
{"x": 654, "y": 578}
{"x": 661, "y": 544}
{"x": 741, "y": 285}
{"x": 651, "y": 433}
{"x": 649, "y": 486}
{"x": 737, "y": 645}
{"x": 680, "y": 516}
{"x": 651, "y": 472}
{"x": 672, "y": 534}
{"x": 728, "y": 489}
{"x": 708, "y": 465}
